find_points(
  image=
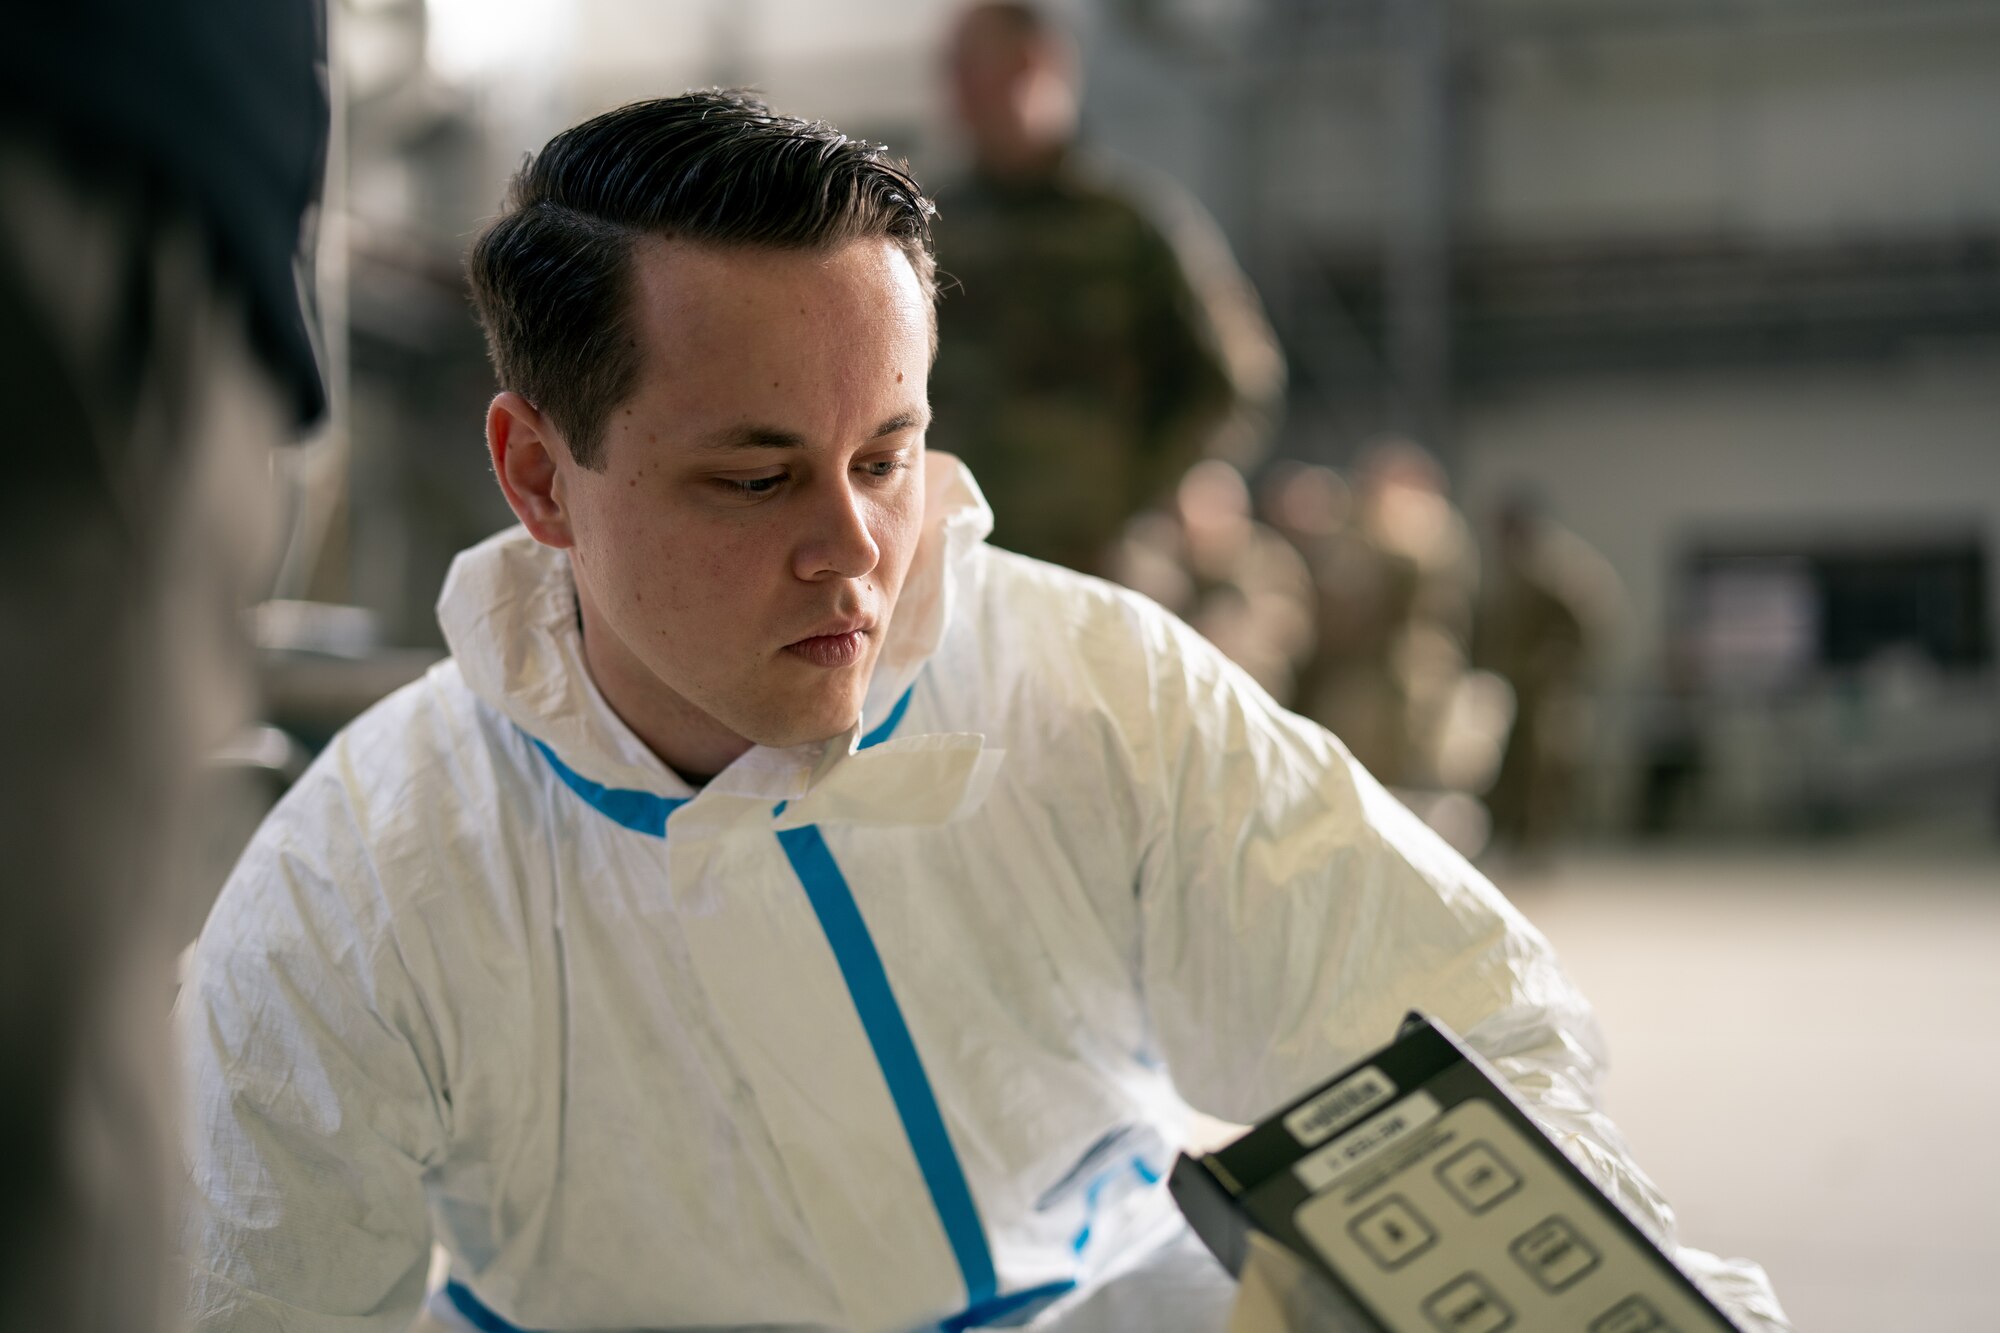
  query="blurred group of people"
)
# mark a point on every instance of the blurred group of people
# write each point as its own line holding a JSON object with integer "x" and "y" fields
{"x": 1460, "y": 680}
{"x": 1108, "y": 372}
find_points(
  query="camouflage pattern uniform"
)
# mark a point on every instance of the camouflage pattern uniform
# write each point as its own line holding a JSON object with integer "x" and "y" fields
{"x": 1549, "y": 604}
{"x": 1396, "y": 589}
{"x": 1090, "y": 348}
{"x": 1239, "y": 584}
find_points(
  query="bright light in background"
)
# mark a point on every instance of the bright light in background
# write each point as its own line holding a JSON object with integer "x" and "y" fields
{"x": 471, "y": 41}
{"x": 819, "y": 30}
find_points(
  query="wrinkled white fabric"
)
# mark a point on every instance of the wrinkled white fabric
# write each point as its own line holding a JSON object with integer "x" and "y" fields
{"x": 625, "y": 1074}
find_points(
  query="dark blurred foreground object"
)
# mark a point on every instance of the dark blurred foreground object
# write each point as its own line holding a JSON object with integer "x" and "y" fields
{"x": 157, "y": 161}
{"x": 213, "y": 110}
{"x": 1094, "y": 340}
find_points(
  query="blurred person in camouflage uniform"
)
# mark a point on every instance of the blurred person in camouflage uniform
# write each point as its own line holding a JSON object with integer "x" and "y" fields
{"x": 1547, "y": 609}
{"x": 1397, "y": 572}
{"x": 1240, "y": 584}
{"x": 1094, "y": 341}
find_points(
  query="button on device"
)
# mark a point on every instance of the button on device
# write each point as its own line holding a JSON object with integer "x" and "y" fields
{"x": 1392, "y": 1233}
{"x": 1631, "y": 1315}
{"x": 1553, "y": 1254}
{"x": 1468, "y": 1305}
{"x": 1477, "y": 1177}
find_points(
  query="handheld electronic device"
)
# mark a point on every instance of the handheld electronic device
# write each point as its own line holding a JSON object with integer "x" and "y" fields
{"x": 1419, "y": 1186}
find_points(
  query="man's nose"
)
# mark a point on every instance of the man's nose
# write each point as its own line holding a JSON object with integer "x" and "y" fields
{"x": 838, "y": 541}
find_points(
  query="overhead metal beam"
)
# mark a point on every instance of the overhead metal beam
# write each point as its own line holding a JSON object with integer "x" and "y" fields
{"x": 1417, "y": 243}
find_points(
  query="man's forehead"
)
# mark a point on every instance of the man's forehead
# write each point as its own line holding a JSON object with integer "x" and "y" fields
{"x": 733, "y": 335}
{"x": 671, "y": 265}
{"x": 691, "y": 296}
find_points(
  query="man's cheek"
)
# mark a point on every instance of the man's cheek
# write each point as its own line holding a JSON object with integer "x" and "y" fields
{"x": 906, "y": 547}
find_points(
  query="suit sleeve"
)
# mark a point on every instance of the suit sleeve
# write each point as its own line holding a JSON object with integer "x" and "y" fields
{"x": 313, "y": 1101}
{"x": 1292, "y": 911}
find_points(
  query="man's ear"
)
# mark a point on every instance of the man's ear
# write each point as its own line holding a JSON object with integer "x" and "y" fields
{"x": 526, "y": 449}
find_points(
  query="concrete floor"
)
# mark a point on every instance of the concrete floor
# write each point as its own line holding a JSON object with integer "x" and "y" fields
{"x": 1806, "y": 1048}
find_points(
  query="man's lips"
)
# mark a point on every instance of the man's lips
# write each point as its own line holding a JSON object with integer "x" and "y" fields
{"x": 838, "y": 644}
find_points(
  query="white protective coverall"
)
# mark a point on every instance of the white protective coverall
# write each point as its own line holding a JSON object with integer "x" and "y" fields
{"x": 883, "y": 1033}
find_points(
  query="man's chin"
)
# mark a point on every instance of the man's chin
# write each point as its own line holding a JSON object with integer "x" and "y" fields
{"x": 811, "y": 727}
{"x": 795, "y": 709}
{"x": 791, "y": 740}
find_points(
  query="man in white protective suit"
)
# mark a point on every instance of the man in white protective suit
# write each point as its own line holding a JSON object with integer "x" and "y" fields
{"x": 785, "y": 910}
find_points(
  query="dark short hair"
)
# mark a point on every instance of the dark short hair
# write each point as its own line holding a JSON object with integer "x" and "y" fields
{"x": 552, "y": 276}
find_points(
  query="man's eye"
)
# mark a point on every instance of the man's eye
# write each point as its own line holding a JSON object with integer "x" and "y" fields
{"x": 884, "y": 467}
{"x": 752, "y": 485}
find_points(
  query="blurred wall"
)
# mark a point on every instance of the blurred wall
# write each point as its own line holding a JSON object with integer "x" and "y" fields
{"x": 1640, "y": 467}
{"x": 1646, "y": 117}
{"x": 1716, "y": 268}
{"x": 868, "y": 67}
{"x": 1864, "y": 118}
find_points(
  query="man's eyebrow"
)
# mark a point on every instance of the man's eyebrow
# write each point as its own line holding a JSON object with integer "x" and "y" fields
{"x": 770, "y": 437}
{"x": 754, "y": 437}
{"x": 902, "y": 421}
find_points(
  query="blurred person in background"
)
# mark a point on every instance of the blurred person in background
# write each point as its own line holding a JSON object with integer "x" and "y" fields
{"x": 1545, "y": 613}
{"x": 1238, "y": 583}
{"x": 1435, "y": 726}
{"x": 1095, "y": 339}
{"x": 1305, "y": 503}
{"x": 1397, "y": 572}
{"x": 157, "y": 164}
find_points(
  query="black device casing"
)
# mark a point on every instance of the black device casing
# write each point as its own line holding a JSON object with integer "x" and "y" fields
{"x": 1250, "y": 1184}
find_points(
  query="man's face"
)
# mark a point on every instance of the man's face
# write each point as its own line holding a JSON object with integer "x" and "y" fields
{"x": 1012, "y": 92}
{"x": 741, "y": 550}
{"x": 987, "y": 64}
